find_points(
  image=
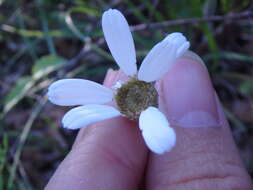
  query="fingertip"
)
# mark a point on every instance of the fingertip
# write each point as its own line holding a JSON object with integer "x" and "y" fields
{"x": 189, "y": 95}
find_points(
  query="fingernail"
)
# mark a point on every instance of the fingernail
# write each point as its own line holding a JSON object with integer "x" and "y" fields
{"x": 192, "y": 55}
{"x": 189, "y": 95}
{"x": 121, "y": 76}
{"x": 109, "y": 77}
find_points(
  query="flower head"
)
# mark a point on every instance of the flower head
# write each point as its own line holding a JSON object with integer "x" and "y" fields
{"x": 137, "y": 99}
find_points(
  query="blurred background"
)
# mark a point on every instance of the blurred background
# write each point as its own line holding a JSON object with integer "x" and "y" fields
{"x": 45, "y": 40}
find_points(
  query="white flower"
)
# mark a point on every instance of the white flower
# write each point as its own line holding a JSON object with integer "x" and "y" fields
{"x": 156, "y": 130}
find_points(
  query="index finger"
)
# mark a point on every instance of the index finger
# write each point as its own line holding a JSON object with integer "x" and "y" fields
{"x": 109, "y": 155}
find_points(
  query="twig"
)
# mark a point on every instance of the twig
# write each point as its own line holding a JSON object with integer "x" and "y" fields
{"x": 87, "y": 48}
{"x": 25, "y": 177}
{"x": 215, "y": 18}
{"x": 84, "y": 51}
{"x": 23, "y": 138}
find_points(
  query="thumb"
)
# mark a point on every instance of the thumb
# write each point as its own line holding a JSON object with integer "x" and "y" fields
{"x": 205, "y": 155}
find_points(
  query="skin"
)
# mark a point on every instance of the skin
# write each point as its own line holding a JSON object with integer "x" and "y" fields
{"x": 112, "y": 154}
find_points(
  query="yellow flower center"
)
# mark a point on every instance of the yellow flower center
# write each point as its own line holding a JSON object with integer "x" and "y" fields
{"x": 135, "y": 96}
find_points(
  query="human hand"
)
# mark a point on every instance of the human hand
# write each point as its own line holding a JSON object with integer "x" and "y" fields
{"x": 112, "y": 154}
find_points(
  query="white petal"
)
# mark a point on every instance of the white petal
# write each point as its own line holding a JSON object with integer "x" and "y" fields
{"x": 162, "y": 56}
{"x": 119, "y": 40}
{"x": 71, "y": 92}
{"x": 156, "y": 131}
{"x": 84, "y": 115}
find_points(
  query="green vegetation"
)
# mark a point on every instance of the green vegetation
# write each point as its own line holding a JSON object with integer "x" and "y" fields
{"x": 44, "y": 40}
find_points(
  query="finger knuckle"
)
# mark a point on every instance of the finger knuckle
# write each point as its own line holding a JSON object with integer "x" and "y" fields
{"x": 218, "y": 182}
{"x": 205, "y": 171}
